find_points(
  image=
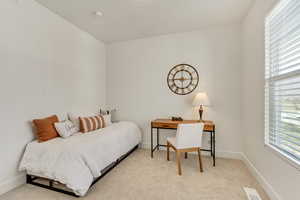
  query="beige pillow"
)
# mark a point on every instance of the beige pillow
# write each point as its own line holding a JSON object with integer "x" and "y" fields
{"x": 74, "y": 117}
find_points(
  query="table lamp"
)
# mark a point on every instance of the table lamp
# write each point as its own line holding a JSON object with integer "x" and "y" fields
{"x": 201, "y": 100}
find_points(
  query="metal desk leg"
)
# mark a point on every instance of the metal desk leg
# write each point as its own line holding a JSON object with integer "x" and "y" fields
{"x": 157, "y": 138}
{"x": 151, "y": 142}
{"x": 214, "y": 147}
{"x": 211, "y": 143}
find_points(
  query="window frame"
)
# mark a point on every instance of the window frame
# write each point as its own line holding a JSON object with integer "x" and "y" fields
{"x": 273, "y": 148}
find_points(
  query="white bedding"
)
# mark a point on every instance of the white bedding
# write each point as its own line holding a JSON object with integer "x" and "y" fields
{"x": 77, "y": 160}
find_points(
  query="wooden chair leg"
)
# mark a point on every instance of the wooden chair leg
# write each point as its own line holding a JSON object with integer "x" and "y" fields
{"x": 168, "y": 151}
{"x": 185, "y": 155}
{"x": 178, "y": 162}
{"x": 200, "y": 160}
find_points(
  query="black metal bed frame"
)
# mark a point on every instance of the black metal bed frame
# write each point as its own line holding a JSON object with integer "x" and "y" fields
{"x": 30, "y": 179}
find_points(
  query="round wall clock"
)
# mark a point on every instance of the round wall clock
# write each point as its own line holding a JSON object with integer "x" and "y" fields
{"x": 183, "y": 79}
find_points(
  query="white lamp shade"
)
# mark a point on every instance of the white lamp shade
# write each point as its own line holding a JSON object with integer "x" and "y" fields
{"x": 201, "y": 99}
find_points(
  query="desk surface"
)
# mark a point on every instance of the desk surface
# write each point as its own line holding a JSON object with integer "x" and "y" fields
{"x": 169, "y": 124}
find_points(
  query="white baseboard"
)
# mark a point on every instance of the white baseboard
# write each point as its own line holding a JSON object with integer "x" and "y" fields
{"x": 241, "y": 156}
{"x": 12, "y": 183}
{"x": 262, "y": 181}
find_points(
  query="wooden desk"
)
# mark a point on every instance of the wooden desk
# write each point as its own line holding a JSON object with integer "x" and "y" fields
{"x": 209, "y": 127}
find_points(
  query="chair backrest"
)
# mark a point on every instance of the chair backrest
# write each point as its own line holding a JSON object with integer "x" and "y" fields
{"x": 189, "y": 135}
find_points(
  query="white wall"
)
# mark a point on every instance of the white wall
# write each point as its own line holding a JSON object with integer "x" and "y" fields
{"x": 137, "y": 72}
{"x": 48, "y": 66}
{"x": 281, "y": 177}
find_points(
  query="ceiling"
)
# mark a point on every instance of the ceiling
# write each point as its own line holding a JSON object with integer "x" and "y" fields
{"x": 132, "y": 19}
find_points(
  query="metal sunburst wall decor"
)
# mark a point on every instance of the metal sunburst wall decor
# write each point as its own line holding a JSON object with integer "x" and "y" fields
{"x": 183, "y": 79}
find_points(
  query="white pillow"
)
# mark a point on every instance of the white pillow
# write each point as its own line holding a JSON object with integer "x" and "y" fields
{"x": 66, "y": 128}
{"x": 107, "y": 119}
{"x": 74, "y": 117}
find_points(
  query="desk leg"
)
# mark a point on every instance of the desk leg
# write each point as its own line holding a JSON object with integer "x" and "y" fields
{"x": 211, "y": 143}
{"x": 151, "y": 142}
{"x": 214, "y": 147}
{"x": 157, "y": 138}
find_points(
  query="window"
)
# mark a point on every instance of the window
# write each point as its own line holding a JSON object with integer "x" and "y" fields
{"x": 282, "y": 79}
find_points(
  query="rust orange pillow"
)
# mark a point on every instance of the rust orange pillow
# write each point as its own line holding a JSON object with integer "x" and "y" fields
{"x": 45, "y": 128}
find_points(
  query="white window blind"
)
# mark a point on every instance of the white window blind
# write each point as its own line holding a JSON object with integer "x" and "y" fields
{"x": 282, "y": 79}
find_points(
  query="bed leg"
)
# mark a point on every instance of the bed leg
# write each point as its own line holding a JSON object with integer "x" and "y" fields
{"x": 28, "y": 179}
{"x": 51, "y": 183}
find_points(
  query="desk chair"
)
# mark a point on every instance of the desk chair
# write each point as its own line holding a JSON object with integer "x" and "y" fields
{"x": 188, "y": 139}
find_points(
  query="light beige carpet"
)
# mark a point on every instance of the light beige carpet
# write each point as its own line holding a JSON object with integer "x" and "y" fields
{"x": 141, "y": 178}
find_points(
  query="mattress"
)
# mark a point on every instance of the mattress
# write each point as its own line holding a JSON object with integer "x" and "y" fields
{"x": 76, "y": 161}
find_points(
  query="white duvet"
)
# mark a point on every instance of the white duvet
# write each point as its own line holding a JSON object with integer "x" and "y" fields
{"x": 77, "y": 160}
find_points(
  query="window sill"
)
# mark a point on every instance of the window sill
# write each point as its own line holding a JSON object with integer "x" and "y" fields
{"x": 291, "y": 161}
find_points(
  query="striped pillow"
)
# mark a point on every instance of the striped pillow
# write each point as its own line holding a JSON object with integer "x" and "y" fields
{"x": 88, "y": 124}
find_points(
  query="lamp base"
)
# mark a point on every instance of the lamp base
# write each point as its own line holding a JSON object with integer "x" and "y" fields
{"x": 201, "y": 112}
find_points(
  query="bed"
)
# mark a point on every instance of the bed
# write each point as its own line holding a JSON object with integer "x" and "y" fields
{"x": 80, "y": 160}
